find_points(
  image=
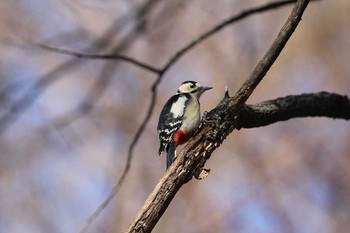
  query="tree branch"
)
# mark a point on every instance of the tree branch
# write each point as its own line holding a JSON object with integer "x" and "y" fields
{"x": 15, "y": 109}
{"x": 102, "y": 56}
{"x": 192, "y": 158}
{"x": 182, "y": 51}
{"x": 222, "y": 25}
{"x": 322, "y": 104}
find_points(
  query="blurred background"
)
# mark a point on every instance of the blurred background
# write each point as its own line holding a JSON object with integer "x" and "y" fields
{"x": 66, "y": 123}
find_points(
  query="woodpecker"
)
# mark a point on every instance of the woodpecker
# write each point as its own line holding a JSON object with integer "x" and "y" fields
{"x": 179, "y": 118}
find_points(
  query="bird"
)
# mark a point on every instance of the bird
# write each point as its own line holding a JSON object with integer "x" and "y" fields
{"x": 179, "y": 118}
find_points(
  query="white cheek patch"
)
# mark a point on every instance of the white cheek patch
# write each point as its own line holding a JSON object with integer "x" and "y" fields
{"x": 178, "y": 107}
{"x": 184, "y": 88}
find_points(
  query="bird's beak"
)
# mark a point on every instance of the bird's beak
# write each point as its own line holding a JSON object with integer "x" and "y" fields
{"x": 203, "y": 89}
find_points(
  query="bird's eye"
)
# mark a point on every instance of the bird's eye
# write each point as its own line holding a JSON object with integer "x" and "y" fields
{"x": 192, "y": 86}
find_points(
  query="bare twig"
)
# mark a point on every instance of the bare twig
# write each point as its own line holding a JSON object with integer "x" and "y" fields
{"x": 122, "y": 178}
{"x": 95, "y": 93}
{"x": 231, "y": 20}
{"x": 199, "y": 149}
{"x": 182, "y": 51}
{"x": 28, "y": 98}
{"x": 102, "y": 56}
{"x": 96, "y": 90}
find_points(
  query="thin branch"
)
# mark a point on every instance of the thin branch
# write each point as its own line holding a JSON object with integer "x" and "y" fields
{"x": 322, "y": 104}
{"x": 194, "y": 155}
{"x": 30, "y": 96}
{"x": 182, "y": 51}
{"x": 96, "y": 90}
{"x": 231, "y": 20}
{"x": 102, "y": 56}
{"x": 122, "y": 178}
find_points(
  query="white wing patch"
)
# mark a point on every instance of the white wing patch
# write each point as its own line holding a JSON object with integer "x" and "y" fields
{"x": 177, "y": 109}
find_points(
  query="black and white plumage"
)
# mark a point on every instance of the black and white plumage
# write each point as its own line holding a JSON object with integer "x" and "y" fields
{"x": 179, "y": 118}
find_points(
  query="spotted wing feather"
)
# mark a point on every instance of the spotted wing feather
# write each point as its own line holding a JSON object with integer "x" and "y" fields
{"x": 170, "y": 121}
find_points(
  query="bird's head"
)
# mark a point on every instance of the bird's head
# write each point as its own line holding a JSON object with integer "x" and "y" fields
{"x": 192, "y": 87}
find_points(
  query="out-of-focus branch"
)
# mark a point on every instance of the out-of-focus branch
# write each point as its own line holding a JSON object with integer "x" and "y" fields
{"x": 322, "y": 104}
{"x": 198, "y": 150}
{"x": 222, "y": 25}
{"x": 182, "y": 51}
{"x": 94, "y": 94}
{"x": 15, "y": 109}
{"x": 102, "y": 56}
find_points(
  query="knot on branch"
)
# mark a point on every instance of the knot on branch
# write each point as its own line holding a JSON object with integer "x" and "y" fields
{"x": 201, "y": 174}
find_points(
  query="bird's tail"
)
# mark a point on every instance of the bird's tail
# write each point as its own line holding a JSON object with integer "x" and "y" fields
{"x": 171, "y": 154}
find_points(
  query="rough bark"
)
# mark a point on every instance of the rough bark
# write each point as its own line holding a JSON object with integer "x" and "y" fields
{"x": 321, "y": 104}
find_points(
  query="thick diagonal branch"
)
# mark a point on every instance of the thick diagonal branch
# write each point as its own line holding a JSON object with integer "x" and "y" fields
{"x": 193, "y": 157}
